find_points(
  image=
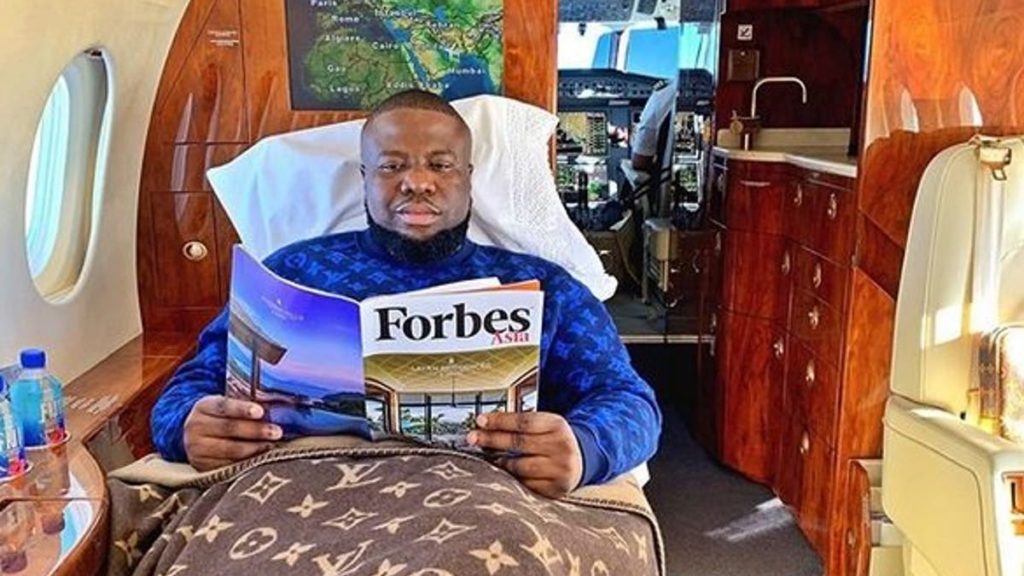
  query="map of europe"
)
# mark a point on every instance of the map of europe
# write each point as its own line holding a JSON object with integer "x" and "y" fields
{"x": 352, "y": 54}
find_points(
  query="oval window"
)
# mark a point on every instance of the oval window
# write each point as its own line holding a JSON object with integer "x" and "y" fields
{"x": 68, "y": 160}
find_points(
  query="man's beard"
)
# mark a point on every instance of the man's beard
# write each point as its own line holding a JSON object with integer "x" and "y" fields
{"x": 439, "y": 246}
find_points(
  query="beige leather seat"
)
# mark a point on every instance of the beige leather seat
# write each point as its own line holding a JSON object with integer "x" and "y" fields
{"x": 946, "y": 482}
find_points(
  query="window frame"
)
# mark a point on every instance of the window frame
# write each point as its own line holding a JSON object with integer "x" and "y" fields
{"x": 64, "y": 185}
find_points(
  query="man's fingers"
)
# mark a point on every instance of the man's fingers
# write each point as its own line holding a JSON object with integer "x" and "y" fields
{"x": 224, "y": 407}
{"x": 217, "y": 449}
{"x": 239, "y": 429}
{"x": 529, "y": 467}
{"x": 505, "y": 441}
{"x": 522, "y": 422}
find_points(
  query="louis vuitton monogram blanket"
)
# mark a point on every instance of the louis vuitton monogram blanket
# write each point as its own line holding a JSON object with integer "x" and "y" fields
{"x": 389, "y": 510}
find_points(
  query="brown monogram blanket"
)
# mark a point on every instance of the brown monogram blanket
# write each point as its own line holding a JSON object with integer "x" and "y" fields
{"x": 340, "y": 507}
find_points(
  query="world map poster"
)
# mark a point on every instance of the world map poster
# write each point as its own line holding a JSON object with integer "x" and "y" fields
{"x": 352, "y": 54}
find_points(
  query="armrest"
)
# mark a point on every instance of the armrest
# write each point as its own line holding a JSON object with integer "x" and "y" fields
{"x": 947, "y": 485}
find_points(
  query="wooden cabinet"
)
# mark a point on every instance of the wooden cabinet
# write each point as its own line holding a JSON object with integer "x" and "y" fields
{"x": 789, "y": 238}
{"x": 754, "y": 264}
{"x": 750, "y": 378}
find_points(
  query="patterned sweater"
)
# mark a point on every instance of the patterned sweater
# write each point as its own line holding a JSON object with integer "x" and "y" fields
{"x": 585, "y": 372}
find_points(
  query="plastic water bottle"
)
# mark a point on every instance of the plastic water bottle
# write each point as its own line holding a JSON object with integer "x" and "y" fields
{"x": 12, "y": 450}
{"x": 39, "y": 401}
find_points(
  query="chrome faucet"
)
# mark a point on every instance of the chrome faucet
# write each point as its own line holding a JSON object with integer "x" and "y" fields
{"x": 748, "y": 136}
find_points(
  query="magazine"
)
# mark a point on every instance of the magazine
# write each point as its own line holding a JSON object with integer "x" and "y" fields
{"x": 420, "y": 364}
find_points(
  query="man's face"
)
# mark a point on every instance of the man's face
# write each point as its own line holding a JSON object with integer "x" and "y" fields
{"x": 416, "y": 170}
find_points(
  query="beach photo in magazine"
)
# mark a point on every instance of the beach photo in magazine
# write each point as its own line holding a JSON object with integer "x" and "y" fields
{"x": 295, "y": 351}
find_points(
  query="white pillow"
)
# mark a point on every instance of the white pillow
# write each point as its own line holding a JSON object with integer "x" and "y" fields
{"x": 298, "y": 185}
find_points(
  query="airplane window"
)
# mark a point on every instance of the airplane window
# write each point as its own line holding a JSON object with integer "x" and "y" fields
{"x": 68, "y": 155}
{"x": 584, "y": 47}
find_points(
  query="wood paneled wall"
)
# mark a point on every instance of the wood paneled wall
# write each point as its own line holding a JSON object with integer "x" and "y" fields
{"x": 824, "y": 49}
{"x": 929, "y": 60}
{"x": 225, "y": 86}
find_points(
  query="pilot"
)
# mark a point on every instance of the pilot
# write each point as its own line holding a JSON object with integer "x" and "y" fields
{"x": 596, "y": 417}
{"x": 645, "y": 137}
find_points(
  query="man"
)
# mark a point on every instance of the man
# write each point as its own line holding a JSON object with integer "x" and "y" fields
{"x": 645, "y": 140}
{"x": 596, "y": 417}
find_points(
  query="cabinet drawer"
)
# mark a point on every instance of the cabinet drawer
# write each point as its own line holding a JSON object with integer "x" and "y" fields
{"x": 816, "y": 325}
{"x": 819, "y": 276}
{"x": 812, "y": 389}
{"x": 826, "y": 218}
{"x": 755, "y": 197}
{"x": 790, "y": 468}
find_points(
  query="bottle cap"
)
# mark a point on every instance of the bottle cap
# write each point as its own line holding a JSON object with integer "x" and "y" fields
{"x": 33, "y": 358}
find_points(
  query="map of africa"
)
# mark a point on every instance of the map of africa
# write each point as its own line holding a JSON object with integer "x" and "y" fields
{"x": 351, "y": 54}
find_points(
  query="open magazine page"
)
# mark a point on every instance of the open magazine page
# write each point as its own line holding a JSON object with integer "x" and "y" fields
{"x": 434, "y": 362}
{"x": 296, "y": 351}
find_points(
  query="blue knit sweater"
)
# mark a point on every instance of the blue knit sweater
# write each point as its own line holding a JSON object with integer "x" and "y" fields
{"x": 585, "y": 373}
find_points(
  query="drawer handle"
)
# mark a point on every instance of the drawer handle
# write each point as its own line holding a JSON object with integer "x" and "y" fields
{"x": 720, "y": 182}
{"x": 755, "y": 184}
{"x": 718, "y": 243}
{"x": 713, "y": 323}
{"x": 696, "y": 261}
{"x": 787, "y": 263}
{"x": 798, "y": 196}
{"x": 814, "y": 318}
{"x": 816, "y": 278}
{"x": 811, "y": 374}
{"x": 779, "y": 348}
{"x": 833, "y": 206}
{"x": 195, "y": 251}
{"x": 805, "y": 444}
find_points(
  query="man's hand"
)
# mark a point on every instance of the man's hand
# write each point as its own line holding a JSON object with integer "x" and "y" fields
{"x": 544, "y": 454}
{"x": 220, "y": 430}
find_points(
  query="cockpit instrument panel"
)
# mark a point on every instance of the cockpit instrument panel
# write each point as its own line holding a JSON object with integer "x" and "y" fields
{"x": 603, "y": 84}
{"x": 583, "y": 133}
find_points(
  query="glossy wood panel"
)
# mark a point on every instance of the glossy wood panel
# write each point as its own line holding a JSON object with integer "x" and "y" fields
{"x": 866, "y": 366}
{"x": 753, "y": 268}
{"x": 531, "y": 51}
{"x": 855, "y": 551}
{"x": 226, "y": 85}
{"x": 202, "y": 103}
{"x": 813, "y": 387}
{"x": 755, "y": 197}
{"x": 827, "y": 217}
{"x": 800, "y": 43}
{"x": 180, "y": 219}
{"x": 182, "y": 167}
{"x": 751, "y": 393}
{"x": 819, "y": 276}
{"x": 878, "y": 256}
{"x": 789, "y": 471}
{"x": 818, "y": 326}
{"x": 816, "y": 493}
{"x": 933, "y": 64}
